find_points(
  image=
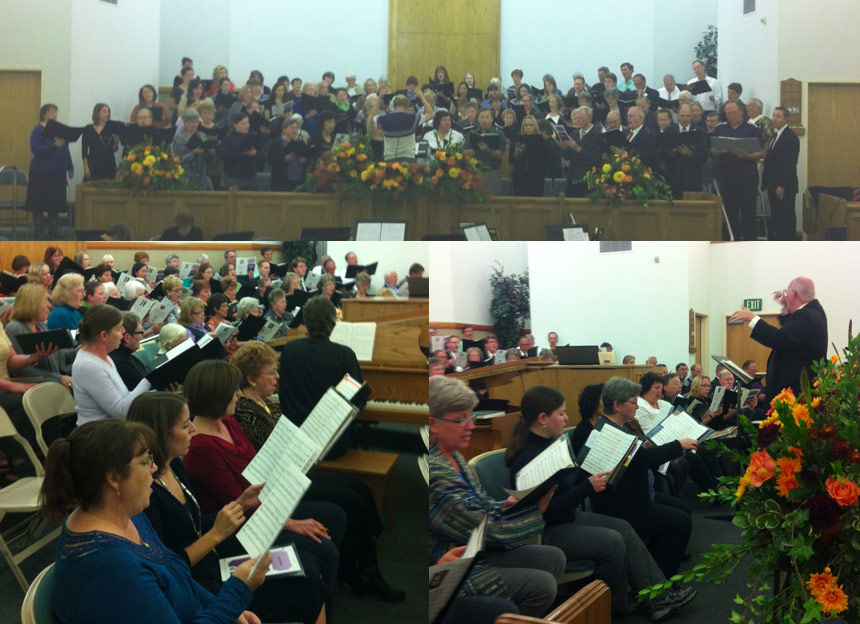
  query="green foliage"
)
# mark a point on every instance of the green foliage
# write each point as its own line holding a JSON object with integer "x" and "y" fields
{"x": 305, "y": 249}
{"x": 706, "y": 50}
{"x": 510, "y": 305}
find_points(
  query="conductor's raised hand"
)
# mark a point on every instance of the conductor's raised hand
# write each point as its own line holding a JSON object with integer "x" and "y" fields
{"x": 742, "y": 315}
{"x": 598, "y": 481}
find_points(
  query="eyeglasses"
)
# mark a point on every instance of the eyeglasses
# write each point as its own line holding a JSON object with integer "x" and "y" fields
{"x": 462, "y": 422}
{"x": 273, "y": 373}
{"x": 147, "y": 463}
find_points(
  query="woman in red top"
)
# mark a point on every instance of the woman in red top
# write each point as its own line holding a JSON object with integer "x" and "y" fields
{"x": 148, "y": 98}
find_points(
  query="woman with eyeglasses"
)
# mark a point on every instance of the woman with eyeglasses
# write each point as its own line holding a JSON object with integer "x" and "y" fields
{"x": 99, "y": 390}
{"x": 458, "y": 504}
{"x": 130, "y": 369}
{"x": 192, "y": 316}
{"x": 619, "y": 554}
{"x": 111, "y": 565}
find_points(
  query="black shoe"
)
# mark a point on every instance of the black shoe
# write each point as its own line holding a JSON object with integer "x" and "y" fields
{"x": 670, "y": 602}
{"x": 370, "y": 581}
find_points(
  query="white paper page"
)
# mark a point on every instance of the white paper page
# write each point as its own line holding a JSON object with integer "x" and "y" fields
{"x": 6, "y": 303}
{"x": 311, "y": 280}
{"x": 368, "y": 231}
{"x": 326, "y": 417}
{"x": 476, "y": 540}
{"x": 461, "y": 360}
{"x": 159, "y": 312}
{"x": 224, "y": 331}
{"x": 677, "y": 427}
{"x": 187, "y": 270}
{"x": 437, "y": 343}
{"x": 180, "y": 348}
{"x": 574, "y": 234}
{"x": 121, "y": 282}
{"x": 286, "y": 490}
{"x": 108, "y": 286}
{"x": 610, "y": 448}
{"x": 142, "y": 306}
{"x": 269, "y": 330}
{"x": 347, "y": 387}
{"x": 393, "y": 232}
{"x": 499, "y": 358}
{"x": 285, "y": 442}
{"x": 552, "y": 459}
{"x": 357, "y": 336}
{"x": 151, "y": 273}
{"x": 719, "y": 391}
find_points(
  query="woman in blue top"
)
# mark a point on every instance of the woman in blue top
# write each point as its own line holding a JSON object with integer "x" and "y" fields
{"x": 111, "y": 566}
{"x": 68, "y": 296}
{"x": 46, "y": 191}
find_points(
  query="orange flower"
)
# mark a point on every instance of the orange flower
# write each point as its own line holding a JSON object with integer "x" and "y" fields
{"x": 361, "y": 157}
{"x": 834, "y": 359}
{"x": 440, "y": 155}
{"x": 451, "y": 162}
{"x": 832, "y": 599}
{"x": 787, "y": 396}
{"x": 819, "y": 582}
{"x": 816, "y": 402}
{"x": 786, "y": 481}
{"x": 843, "y": 491}
{"x": 625, "y": 168}
{"x": 628, "y": 179}
{"x": 742, "y": 485}
{"x": 761, "y": 468}
{"x": 797, "y": 451}
{"x": 800, "y": 412}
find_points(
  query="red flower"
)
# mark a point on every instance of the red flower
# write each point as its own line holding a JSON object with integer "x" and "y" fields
{"x": 814, "y": 433}
{"x": 768, "y": 435}
{"x": 841, "y": 447}
{"x": 828, "y": 432}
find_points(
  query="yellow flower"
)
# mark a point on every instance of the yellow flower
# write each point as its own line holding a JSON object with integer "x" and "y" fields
{"x": 149, "y": 160}
{"x": 646, "y": 175}
{"x": 453, "y": 172}
{"x": 365, "y": 174}
{"x": 816, "y": 402}
{"x": 137, "y": 168}
{"x": 618, "y": 177}
{"x": 800, "y": 412}
{"x": 163, "y": 156}
{"x": 773, "y": 419}
{"x": 179, "y": 171}
{"x": 458, "y": 156}
{"x": 607, "y": 168}
{"x": 742, "y": 485}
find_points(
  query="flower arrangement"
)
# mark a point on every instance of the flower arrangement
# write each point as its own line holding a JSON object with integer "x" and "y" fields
{"x": 622, "y": 177}
{"x": 456, "y": 174}
{"x": 350, "y": 169}
{"x": 797, "y": 503}
{"x": 148, "y": 166}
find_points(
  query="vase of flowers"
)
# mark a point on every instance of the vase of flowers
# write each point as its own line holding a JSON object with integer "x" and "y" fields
{"x": 797, "y": 502}
{"x": 151, "y": 167}
{"x": 625, "y": 177}
{"x": 457, "y": 175}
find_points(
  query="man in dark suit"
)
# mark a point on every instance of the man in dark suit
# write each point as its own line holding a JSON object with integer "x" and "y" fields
{"x": 779, "y": 176}
{"x": 642, "y": 88}
{"x": 800, "y": 341}
{"x": 684, "y": 163}
{"x": 584, "y": 152}
{"x": 640, "y": 141}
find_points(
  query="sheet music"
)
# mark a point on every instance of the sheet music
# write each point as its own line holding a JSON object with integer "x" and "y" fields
{"x": 476, "y": 540}
{"x": 286, "y": 489}
{"x": 719, "y": 391}
{"x": 245, "y": 265}
{"x": 357, "y": 336}
{"x": 224, "y": 331}
{"x": 187, "y": 270}
{"x": 444, "y": 581}
{"x": 477, "y": 233}
{"x": 392, "y": 231}
{"x": 368, "y": 231}
{"x": 121, "y": 282}
{"x": 327, "y": 417}
{"x": 608, "y": 449}
{"x": 142, "y": 306}
{"x": 159, "y": 312}
{"x": 269, "y": 330}
{"x": 151, "y": 273}
{"x": 677, "y": 427}
{"x": 574, "y": 234}
{"x": 552, "y": 459}
{"x": 285, "y": 442}
{"x": 348, "y": 386}
{"x": 6, "y": 303}
{"x": 499, "y": 358}
{"x": 437, "y": 343}
{"x": 747, "y": 395}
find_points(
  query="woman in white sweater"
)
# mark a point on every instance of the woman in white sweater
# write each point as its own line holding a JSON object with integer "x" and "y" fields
{"x": 99, "y": 390}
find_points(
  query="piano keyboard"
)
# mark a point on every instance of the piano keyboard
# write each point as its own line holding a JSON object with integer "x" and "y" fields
{"x": 394, "y": 411}
{"x": 395, "y": 406}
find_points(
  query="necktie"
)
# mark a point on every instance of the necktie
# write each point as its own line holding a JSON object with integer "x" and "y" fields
{"x": 630, "y": 136}
{"x": 683, "y": 130}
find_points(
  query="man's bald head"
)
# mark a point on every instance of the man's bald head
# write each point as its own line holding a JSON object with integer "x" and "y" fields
{"x": 804, "y": 287}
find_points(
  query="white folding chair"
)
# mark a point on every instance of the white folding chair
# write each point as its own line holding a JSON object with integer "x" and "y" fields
{"x": 44, "y": 402}
{"x": 22, "y": 496}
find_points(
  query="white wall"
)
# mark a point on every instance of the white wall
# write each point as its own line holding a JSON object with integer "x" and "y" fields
{"x": 199, "y": 29}
{"x": 631, "y": 300}
{"x": 748, "y": 50}
{"x": 391, "y": 256}
{"x": 105, "y": 39}
{"x": 460, "y": 291}
{"x": 48, "y": 23}
{"x": 563, "y": 37}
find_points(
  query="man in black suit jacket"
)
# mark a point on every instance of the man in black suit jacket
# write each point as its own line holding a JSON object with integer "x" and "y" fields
{"x": 584, "y": 152}
{"x": 640, "y": 141}
{"x": 684, "y": 163}
{"x": 642, "y": 88}
{"x": 800, "y": 341}
{"x": 779, "y": 176}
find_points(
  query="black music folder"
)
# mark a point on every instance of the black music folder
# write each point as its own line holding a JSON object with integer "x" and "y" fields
{"x": 9, "y": 283}
{"x": 56, "y": 130}
{"x": 354, "y": 269}
{"x": 250, "y": 327}
{"x": 61, "y": 338}
{"x": 615, "y": 138}
{"x": 492, "y": 140}
{"x": 699, "y": 87}
{"x": 316, "y": 102}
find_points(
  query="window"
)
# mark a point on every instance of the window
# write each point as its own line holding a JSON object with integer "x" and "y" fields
{"x": 749, "y": 7}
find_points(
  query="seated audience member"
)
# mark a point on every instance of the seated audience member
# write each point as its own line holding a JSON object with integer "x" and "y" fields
{"x": 171, "y": 335}
{"x": 192, "y": 316}
{"x": 458, "y": 504}
{"x": 277, "y": 312}
{"x": 590, "y": 411}
{"x": 110, "y": 563}
{"x": 614, "y": 546}
{"x": 176, "y": 517}
{"x": 399, "y": 126}
{"x": 629, "y": 360}
{"x": 99, "y": 390}
{"x": 202, "y": 289}
{"x": 94, "y": 294}
{"x": 661, "y": 520}
{"x": 257, "y": 413}
{"x": 29, "y": 316}
{"x": 130, "y": 368}
{"x": 247, "y": 306}
{"x": 68, "y": 295}
{"x": 220, "y": 451}
{"x": 650, "y": 401}
{"x": 217, "y": 308}
{"x": 183, "y": 229}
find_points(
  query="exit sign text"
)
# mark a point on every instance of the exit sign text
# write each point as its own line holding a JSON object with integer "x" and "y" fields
{"x": 754, "y": 305}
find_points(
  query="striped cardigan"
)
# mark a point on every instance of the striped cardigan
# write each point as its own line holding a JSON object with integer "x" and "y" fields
{"x": 457, "y": 505}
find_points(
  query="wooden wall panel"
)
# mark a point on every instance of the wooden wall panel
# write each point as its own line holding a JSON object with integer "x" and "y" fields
{"x": 34, "y": 250}
{"x": 462, "y": 36}
{"x": 833, "y": 135}
{"x": 19, "y": 113}
{"x": 740, "y": 347}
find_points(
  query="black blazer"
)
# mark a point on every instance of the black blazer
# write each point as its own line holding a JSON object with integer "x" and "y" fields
{"x": 780, "y": 163}
{"x": 684, "y": 173}
{"x": 800, "y": 341}
{"x": 645, "y": 145}
{"x": 593, "y": 149}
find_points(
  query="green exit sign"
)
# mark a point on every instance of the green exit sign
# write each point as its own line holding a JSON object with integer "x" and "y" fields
{"x": 754, "y": 305}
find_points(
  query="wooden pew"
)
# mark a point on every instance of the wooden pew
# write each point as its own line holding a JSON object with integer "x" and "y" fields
{"x": 590, "y": 605}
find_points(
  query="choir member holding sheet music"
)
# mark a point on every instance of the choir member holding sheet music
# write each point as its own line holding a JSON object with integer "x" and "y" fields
{"x": 538, "y": 447}
{"x": 99, "y": 146}
{"x": 130, "y": 369}
{"x": 239, "y": 155}
{"x": 664, "y": 521}
{"x": 458, "y": 504}
{"x": 220, "y": 452}
{"x": 529, "y": 159}
{"x": 111, "y": 565}
{"x": 176, "y": 517}
{"x": 51, "y": 163}
{"x": 258, "y": 415}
